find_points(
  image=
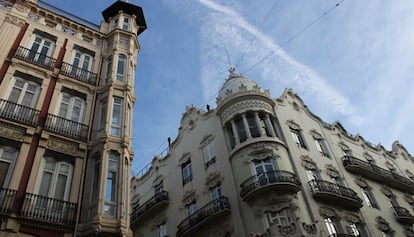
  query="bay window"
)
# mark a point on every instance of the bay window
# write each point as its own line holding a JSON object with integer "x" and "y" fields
{"x": 116, "y": 119}
{"x": 121, "y": 68}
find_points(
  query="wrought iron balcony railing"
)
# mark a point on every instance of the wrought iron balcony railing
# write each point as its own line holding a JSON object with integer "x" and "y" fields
{"x": 277, "y": 178}
{"x": 18, "y": 113}
{"x": 158, "y": 199}
{"x": 66, "y": 127}
{"x": 205, "y": 214}
{"x": 402, "y": 215}
{"x": 79, "y": 73}
{"x": 34, "y": 57}
{"x": 378, "y": 174}
{"x": 6, "y": 200}
{"x": 41, "y": 208}
{"x": 335, "y": 193}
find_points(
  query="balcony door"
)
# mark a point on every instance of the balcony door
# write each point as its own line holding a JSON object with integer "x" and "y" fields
{"x": 71, "y": 107}
{"x": 265, "y": 171}
{"x": 53, "y": 192}
{"x": 22, "y": 98}
{"x": 40, "y": 49}
{"x": 81, "y": 64}
{"x": 7, "y": 161}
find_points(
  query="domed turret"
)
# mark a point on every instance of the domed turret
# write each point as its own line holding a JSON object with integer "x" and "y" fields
{"x": 237, "y": 85}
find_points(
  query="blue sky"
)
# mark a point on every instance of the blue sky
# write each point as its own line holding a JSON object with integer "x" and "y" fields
{"x": 355, "y": 65}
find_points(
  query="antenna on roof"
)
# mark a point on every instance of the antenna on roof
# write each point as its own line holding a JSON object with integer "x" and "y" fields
{"x": 227, "y": 54}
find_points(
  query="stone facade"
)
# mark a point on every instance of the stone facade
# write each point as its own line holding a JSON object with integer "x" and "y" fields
{"x": 66, "y": 98}
{"x": 259, "y": 166}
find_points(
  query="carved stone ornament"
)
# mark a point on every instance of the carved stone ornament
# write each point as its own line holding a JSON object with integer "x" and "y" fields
{"x": 408, "y": 231}
{"x": 368, "y": 157}
{"x": 188, "y": 195}
{"x": 408, "y": 198}
{"x": 287, "y": 230}
{"x": 386, "y": 191}
{"x": 389, "y": 165}
{"x": 266, "y": 233}
{"x": 206, "y": 140}
{"x": 315, "y": 134}
{"x": 343, "y": 146}
{"x": 223, "y": 231}
{"x": 62, "y": 146}
{"x": 332, "y": 171}
{"x": 12, "y": 132}
{"x": 361, "y": 182}
{"x": 246, "y": 105}
{"x": 278, "y": 207}
{"x": 351, "y": 217}
{"x": 409, "y": 174}
{"x": 309, "y": 228}
{"x": 382, "y": 224}
{"x": 291, "y": 123}
{"x": 296, "y": 106}
{"x": 308, "y": 163}
{"x": 212, "y": 177}
{"x": 261, "y": 153}
{"x": 327, "y": 212}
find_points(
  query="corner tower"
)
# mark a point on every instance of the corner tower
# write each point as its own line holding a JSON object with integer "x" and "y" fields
{"x": 107, "y": 183}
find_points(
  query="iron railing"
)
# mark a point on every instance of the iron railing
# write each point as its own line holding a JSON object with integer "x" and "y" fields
{"x": 152, "y": 202}
{"x": 6, "y": 199}
{"x": 66, "y": 127}
{"x": 268, "y": 178}
{"x": 48, "y": 209}
{"x": 212, "y": 208}
{"x": 377, "y": 173}
{"x": 343, "y": 235}
{"x": 18, "y": 113}
{"x": 79, "y": 73}
{"x": 402, "y": 214}
{"x": 34, "y": 57}
{"x": 318, "y": 186}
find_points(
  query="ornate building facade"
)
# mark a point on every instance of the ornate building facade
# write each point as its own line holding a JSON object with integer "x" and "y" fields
{"x": 66, "y": 98}
{"x": 262, "y": 166}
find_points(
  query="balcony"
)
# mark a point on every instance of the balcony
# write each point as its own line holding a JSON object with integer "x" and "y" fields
{"x": 214, "y": 210}
{"x": 154, "y": 204}
{"x": 335, "y": 194}
{"x": 403, "y": 215}
{"x": 378, "y": 174}
{"x": 342, "y": 235}
{"x": 38, "y": 208}
{"x": 18, "y": 113}
{"x": 79, "y": 73}
{"x": 263, "y": 182}
{"x": 66, "y": 127}
{"x": 34, "y": 57}
{"x": 6, "y": 200}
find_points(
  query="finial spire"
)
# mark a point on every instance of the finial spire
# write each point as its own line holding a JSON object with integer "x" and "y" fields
{"x": 233, "y": 73}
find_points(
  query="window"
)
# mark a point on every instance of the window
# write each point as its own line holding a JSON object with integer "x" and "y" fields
{"x": 312, "y": 174}
{"x": 369, "y": 197}
{"x": 187, "y": 171}
{"x": 55, "y": 179}
{"x": 240, "y": 129}
{"x": 321, "y": 147}
{"x": 81, "y": 64}
{"x": 297, "y": 138}
{"x": 115, "y": 23}
{"x": 356, "y": 229}
{"x": 159, "y": 188}
{"x": 253, "y": 127}
{"x": 330, "y": 226}
{"x": 116, "y": 116}
{"x": 125, "y": 25}
{"x": 71, "y": 107}
{"x": 231, "y": 136}
{"x": 8, "y": 157}
{"x": 96, "y": 162}
{"x": 127, "y": 121}
{"x": 282, "y": 217}
{"x": 191, "y": 207}
{"x": 24, "y": 92}
{"x": 108, "y": 69}
{"x": 102, "y": 113}
{"x": 121, "y": 68}
{"x": 209, "y": 154}
{"x": 162, "y": 230}
{"x": 216, "y": 191}
{"x": 41, "y": 48}
{"x": 347, "y": 152}
{"x": 111, "y": 185}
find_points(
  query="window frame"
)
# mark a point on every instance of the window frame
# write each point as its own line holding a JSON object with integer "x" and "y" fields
{"x": 116, "y": 121}
{"x": 71, "y": 104}
{"x": 187, "y": 171}
{"x": 298, "y": 138}
{"x": 23, "y": 90}
{"x": 111, "y": 202}
{"x": 12, "y": 163}
{"x": 121, "y": 72}
{"x": 209, "y": 154}
{"x": 369, "y": 198}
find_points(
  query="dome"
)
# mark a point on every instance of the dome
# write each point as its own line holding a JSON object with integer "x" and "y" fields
{"x": 236, "y": 83}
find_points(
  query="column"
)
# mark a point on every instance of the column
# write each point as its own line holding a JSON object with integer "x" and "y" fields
{"x": 269, "y": 125}
{"x": 235, "y": 133}
{"x": 246, "y": 126}
{"x": 259, "y": 125}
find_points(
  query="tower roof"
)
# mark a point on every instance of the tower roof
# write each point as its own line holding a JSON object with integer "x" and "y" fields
{"x": 236, "y": 83}
{"x": 129, "y": 9}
